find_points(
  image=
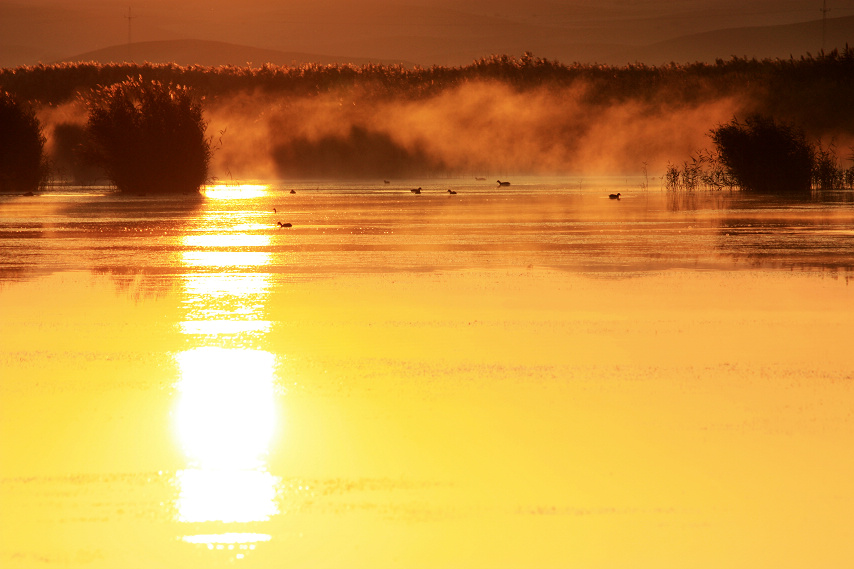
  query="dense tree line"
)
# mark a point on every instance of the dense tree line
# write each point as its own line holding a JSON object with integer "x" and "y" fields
{"x": 344, "y": 120}
{"x": 816, "y": 91}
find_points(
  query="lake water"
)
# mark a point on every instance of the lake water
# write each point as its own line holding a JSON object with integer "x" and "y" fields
{"x": 532, "y": 376}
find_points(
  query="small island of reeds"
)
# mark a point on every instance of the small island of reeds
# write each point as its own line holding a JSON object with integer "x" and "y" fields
{"x": 148, "y": 137}
{"x": 764, "y": 156}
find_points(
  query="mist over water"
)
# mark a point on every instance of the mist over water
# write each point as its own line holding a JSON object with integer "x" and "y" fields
{"x": 498, "y": 116}
{"x": 476, "y": 127}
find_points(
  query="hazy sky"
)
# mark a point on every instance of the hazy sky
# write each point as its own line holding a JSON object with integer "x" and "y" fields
{"x": 426, "y": 31}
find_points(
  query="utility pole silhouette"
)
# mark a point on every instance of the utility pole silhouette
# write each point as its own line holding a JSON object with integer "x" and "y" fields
{"x": 824, "y": 11}
{"x": 129, "y": 19}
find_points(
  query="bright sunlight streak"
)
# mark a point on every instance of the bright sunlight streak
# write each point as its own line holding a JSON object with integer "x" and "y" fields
{"x": 225, "y": 420}
{"x": 235, "y": 191}
{"x": 228, "y": 538}
{"x": 220, "y": 250}
{"x": 226, "y": 284}
{"x": 225, "y": 417}
{"x": 226, "y": 240}
{"x": 225, "y": 258}
{"x": 226, "y": 414}
{"x": 227, "y": 327}
{"x": 226, "y": 304}
{"x": 230, "y": 496}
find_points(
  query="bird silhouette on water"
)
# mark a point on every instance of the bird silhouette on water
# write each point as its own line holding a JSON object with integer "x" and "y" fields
{"x": 500, "y": 183}
{"x": 416, "y": 191}
{"x": 614, "y": 196}
{"x": 452, "y": 192}
{"x": 293, "y": 191}
{"x": 284, "y": 224}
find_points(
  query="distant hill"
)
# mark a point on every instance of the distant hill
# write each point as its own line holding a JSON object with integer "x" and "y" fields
{"x": 759, "y": 42}
{"x": 440, "y": 32}
{"x": 210, "y": 53}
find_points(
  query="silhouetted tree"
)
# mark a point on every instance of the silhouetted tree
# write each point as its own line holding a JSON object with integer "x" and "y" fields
{"x": 763, "y": 155}
{"x": 148, "y": 137}
{"x": 22, "y": 165}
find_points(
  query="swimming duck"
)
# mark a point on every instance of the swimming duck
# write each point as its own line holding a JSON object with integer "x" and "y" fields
{"x": 614, "y": 196}
{"x": 500, "y": 183}
{"x": 284, "y": 224}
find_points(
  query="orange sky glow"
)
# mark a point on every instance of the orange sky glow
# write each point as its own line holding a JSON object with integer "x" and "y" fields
{"x": 424, "y": 33}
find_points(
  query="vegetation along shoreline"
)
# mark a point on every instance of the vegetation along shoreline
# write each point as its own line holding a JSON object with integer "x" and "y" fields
{"x": 499, "y": 114}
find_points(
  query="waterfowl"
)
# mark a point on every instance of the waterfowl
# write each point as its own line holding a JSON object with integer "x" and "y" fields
{"x": 416, "y": 191}
{"x": 480, "y": 179}
{"x": 284, "y": 224}
{"x": 274, "y": 210}
{"x": 614, "y": 196}
{"x": 452, "y": 192}
{"x": 500, "y": 183}
{"x": 386, "y": 182}
{"x": 293, "y": 191}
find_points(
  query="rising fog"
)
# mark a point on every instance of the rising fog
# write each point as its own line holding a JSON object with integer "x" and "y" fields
{"x": 474, "y": 128}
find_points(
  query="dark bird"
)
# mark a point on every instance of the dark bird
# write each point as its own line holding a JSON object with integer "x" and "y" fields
{"x": 500, "y": 183}
{"x": 284, "y": 224}
{"x": 417, "y": 191}
{"x": 452, "y": 192}
{"x": 293, "y": 191}
{"x": 614, "y": 196}
{"x": 274, "y": 210}
{"x": 386, "y": 182}
{"x": 480, "y": 179}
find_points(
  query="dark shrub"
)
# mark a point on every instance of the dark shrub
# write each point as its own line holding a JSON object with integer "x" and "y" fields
{"x": 148, "y": 137}
{"x": 21, "y": 147}
{"x": 828, "y": 174}
{"x": 762, "y": 155}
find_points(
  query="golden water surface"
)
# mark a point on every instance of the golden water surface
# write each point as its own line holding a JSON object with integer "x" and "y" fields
{"x": 537, "y": 378}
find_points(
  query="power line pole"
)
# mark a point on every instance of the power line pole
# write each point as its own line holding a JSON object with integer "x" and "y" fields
{"x": 129, "y": 19}
{"x": 824, "y": 11}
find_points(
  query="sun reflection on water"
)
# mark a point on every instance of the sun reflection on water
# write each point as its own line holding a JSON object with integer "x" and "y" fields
{"x": 225, "y": 258}
{"x": 235, "y": 191}
{"x": 226, "y": 417}
{"x": 226, "y": 240}
{"x": 229, "y": 496}
{"x": 217, "y": 286}
{"x": 228, "y": 327}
